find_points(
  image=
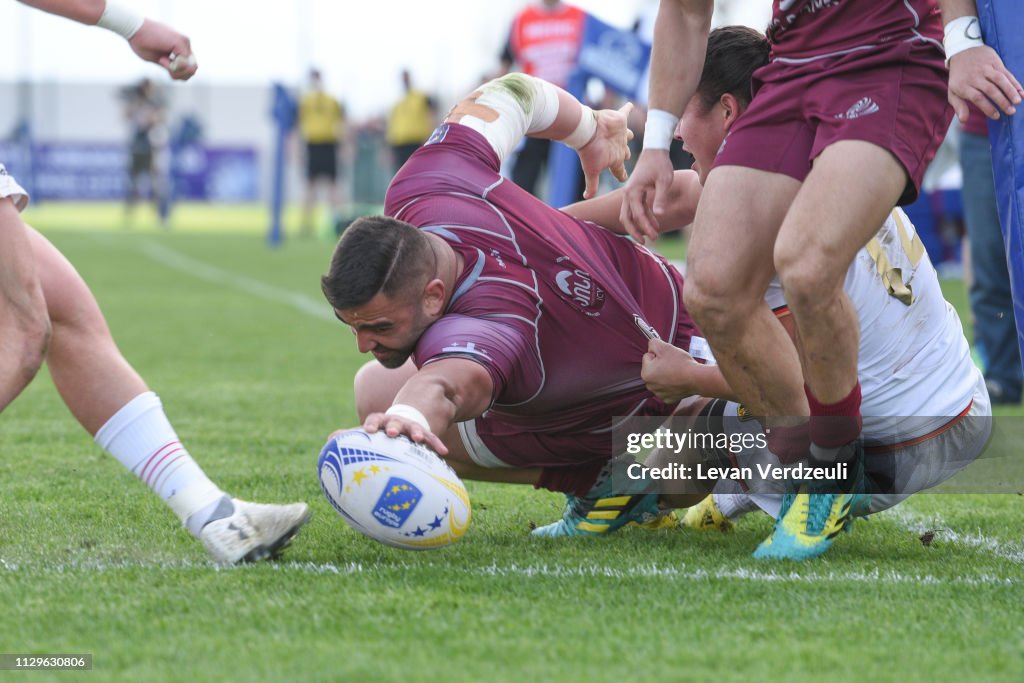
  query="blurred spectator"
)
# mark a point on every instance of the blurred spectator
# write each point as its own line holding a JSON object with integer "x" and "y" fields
{"x": 411, "y": 122}
{"x": 322, "y": 129}
{"x": 544, "y": 41}
{"x": 146, "y": 112}
{"x": 991, "y": 301}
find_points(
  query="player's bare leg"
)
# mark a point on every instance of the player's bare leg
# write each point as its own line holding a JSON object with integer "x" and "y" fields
{"x": 729, "y": 266}
{"x": 850, "y": 190}
{"x": 24, "y": 324}
{"x": 109, "y": 398}
{"x": 847, "y": 196}
{"x": 308, "y": 206}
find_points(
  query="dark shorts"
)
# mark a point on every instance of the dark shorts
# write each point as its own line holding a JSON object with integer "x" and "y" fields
{"x": 893, "y": 97}
{"x": 322, "y": 160}
{"x": 142, "y": 161}
{"x": 570, "y": 461}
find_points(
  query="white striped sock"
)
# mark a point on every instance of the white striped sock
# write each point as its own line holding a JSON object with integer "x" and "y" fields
{"x": 142, "y": 439}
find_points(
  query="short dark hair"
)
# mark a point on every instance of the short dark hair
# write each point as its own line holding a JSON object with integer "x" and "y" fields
{"x": 734, "y": 54}
{"x": 377, "y": 254}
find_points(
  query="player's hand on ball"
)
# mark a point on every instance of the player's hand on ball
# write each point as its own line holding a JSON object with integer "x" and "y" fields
{"x": 394, "y": 426}
{"x": 609, "y": 148}
{"x": 158, "y": 43}
{"x": 668, "y": 371}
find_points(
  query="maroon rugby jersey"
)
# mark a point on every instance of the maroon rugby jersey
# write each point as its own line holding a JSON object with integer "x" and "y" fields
{"x": 559, "y": 311}
{"x": 806, "y": 29}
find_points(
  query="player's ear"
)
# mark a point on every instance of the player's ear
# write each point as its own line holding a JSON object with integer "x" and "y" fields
{"x": 433, "y": 297}
{"x": 731, "y": 109}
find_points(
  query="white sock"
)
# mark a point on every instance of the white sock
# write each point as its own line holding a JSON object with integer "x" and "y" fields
{"x": 770, "y": 503}
{"x": 732, "y": 500}
{"x": 143, "y": 440}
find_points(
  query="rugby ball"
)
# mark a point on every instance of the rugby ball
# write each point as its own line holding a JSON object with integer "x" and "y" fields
{"x": 393, "y": 490}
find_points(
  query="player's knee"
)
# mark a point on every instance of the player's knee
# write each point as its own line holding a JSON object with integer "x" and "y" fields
{"x": 712, "y": 304}
{"x": 808, "y": 278}
{"x": 367, "y": 390}
{"x": 376, "y": 386}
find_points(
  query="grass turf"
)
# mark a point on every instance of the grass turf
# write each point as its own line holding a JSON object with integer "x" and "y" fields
{"x": 254, "y": 373}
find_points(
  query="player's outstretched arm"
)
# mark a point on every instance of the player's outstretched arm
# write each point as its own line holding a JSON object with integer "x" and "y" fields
{"x": 507, "y": 108}
{"x": 677, "y": 59}
{"x": 680, "y": 206}
{"x": 150, "y": 40}
{"x": 976, "y": 72}
{"x": 440, "y": 394}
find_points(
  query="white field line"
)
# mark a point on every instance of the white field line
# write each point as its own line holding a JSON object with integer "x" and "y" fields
{"x": 918, "y": 523}
{"x": 649, "y": 571}
{"x": 247, "y": 285}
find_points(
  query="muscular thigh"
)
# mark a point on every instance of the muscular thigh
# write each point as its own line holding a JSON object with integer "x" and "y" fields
{"x": 737, "y": 222}
{"x": 18, "y": 270}
{"x": 68, "y": 297}
{"x": 844, "y": 200}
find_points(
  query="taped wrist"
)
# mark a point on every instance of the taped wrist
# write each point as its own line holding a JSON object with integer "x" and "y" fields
{"x": 961, "y": 34}
{"x": 518, "y": 104}
{"x": 660, "y": 127}
{"x": 409, "y": 413}
{"x": 122, "y": 20}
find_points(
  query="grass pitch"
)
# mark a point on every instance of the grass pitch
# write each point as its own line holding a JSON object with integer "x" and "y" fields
{"x": 254, "y": 373}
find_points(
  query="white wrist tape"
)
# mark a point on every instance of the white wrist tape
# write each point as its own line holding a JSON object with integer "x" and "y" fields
{"x": 585, "y": 129}
{"x": 516, "y": 115}
{"x": 409, "y": 413}
{"x": 122, "y": 20}
{"x": 660, "y": 129}
{"x": 961, "y": 34}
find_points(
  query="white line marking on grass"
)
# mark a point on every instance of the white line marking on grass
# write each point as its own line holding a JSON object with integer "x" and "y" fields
{"x": 650, "y": 571}
{"x": 918, "y": 523}
{"x": 242, "y": 283}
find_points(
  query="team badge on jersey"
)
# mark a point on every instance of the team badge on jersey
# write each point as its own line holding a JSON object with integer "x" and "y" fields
{"x": 438, "y": 135}
{"x": 742, "y": 414}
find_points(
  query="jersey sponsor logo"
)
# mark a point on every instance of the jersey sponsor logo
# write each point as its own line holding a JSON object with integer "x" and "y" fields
{"x": 863, "y": 107}
{"x": 438, "y": 135}
{"x": 790, "y": 10}
{"x": 558, "y": 28}
{"x": 645, "y": 327}
{"x": 578, "y": 287}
